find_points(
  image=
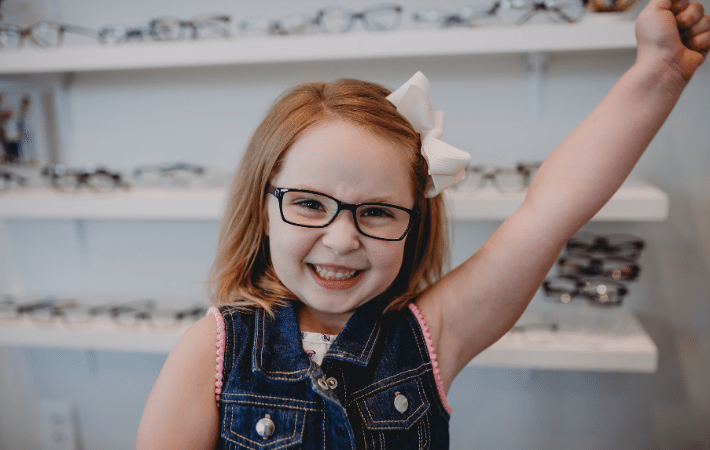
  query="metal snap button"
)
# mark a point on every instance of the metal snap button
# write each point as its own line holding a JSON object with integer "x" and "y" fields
{"x": 332, "y": 383}
{"x": 323, "y": 384}
{"x": 265, "y": 427}
{"x": 401, "y": 403}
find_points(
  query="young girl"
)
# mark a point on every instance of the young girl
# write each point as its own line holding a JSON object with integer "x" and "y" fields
{"x": 336, "y": 229}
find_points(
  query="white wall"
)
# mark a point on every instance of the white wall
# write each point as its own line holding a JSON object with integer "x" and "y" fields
{"x": 203, "y": 115}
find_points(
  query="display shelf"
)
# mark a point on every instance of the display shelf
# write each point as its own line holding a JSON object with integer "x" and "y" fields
{"x": 131, "y": 204}
{"x": 612, "y": 342}
{"x": 587, "y": 339}
{"x": 636, "y": 200}
{"x": 99, "y": 335}
{"x": 594, "y": 32}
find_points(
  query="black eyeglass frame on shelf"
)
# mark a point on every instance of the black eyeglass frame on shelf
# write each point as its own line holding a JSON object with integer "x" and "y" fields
{"x": 555, "y": 9}
{"x": 172, "y": 28}
{"x": 340, "y": 206}
{"x": 617, "y": 245}
{"x": 365, "y": 16}
{"x": 465, "y": 17}
{"x": 293, "y": 24}
{"x": 70, "y": 180}
{"x": 580, "y": 288}
{"x": 613, "y": 267}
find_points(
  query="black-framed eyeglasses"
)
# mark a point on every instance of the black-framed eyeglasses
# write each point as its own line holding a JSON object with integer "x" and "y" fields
{"x": 199, "y": 27}
{"x": 597, "y": 291}
{"x": 68, "y": 179}
{"x": 337, "y": 19}
{"x": 465, "y": 17}
{"x": 40, "y": 34}
{"x": 618, "y": 245}
{"x": 287, "y": 25}
{"x": 312, "y": 209}
{"x": 504, "y": 179}
{"x": 613, "y": 267}
{"x": 517, "y": 12}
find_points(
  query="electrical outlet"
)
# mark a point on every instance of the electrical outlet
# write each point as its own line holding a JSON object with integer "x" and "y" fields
{"x": 57, "y": 425}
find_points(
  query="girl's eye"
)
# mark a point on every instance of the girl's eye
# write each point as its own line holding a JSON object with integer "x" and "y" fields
{"x": 309, "y": 204}
{"x": 376, "y": 212}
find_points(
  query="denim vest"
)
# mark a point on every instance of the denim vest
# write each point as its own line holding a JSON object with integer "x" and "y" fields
{"x": 376, "y": 388}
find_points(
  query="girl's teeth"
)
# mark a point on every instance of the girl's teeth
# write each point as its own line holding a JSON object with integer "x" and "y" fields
{"x": 330, "y": 274}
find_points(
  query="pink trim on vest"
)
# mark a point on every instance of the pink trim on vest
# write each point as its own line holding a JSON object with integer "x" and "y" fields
{"x": 432, "y": 354}
{"x": 219, "y": 345}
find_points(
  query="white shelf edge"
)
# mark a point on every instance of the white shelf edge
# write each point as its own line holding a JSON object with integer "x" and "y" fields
{"x": 622, "y": 347}
{"x": 601, "y": 341}
{"x": 100, "y": 336}
{"x": 594, "y": 32}
{"x": 635, "y": 201}
{"x": 132, "y": 204}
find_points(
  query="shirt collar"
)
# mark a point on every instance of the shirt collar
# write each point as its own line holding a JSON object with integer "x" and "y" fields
{"x": 278, "y": 352}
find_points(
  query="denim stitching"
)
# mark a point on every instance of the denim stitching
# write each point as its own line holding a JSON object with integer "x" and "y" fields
{"x": 367, "y": 348}
{"x": 416, "y": 372}
{"x": 288, "y": 403}
{"x": 414, "y": 412}
{"x": 269, "y": 373}
{"x": 257, "y": 443}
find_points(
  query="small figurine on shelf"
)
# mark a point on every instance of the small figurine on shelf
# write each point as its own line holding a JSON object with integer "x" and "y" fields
{"x": 9, "y": 148}
{"x": 25, "y": 134}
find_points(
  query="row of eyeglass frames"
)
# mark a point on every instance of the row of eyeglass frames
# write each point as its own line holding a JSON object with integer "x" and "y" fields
{"x": 595, "y": 268}
{"x": 100, "y": 179}
{"x": 334, "y": 19}
{"x": 69, "y": 312}
{"x": 181, "y": 174}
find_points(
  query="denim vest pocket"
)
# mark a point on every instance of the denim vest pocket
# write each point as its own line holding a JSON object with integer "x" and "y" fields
{"x": 283, "y": 419}
{"x": 397, "y": 406}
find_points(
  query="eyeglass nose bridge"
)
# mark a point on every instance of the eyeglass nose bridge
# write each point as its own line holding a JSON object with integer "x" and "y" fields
{"x": 341, "y": 206}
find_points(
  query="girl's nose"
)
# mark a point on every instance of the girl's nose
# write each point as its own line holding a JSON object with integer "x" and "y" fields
{"x": 342, "y": 236}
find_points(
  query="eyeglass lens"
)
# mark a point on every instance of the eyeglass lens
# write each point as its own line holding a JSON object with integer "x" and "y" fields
{"x": 315, "y": 210}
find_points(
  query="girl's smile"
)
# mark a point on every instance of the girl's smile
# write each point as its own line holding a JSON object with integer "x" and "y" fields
{"x": 334, "y": 270}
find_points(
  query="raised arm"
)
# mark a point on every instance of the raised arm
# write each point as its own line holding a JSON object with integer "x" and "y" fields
{"x": 475, "y": 304}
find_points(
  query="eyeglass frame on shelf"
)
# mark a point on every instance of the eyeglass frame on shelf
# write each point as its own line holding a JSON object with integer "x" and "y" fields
{"x": 581, "y": 286}
{"x": 32, "y": 34}
{"x": 57, "y": 172}
{"x": 354, "y": 16}
{"x": 629, "y": 246}
{"x": 623, "y": 268}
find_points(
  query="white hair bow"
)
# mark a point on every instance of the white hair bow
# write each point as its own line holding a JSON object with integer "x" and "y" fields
{"x": 447, "y": 164}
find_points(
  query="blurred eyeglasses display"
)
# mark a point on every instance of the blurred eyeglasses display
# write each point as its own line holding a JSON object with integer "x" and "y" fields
{"x": 178, "y": 174}
{"x": 518, "y": 12}
{"x": 598, "y": 291}
{"x": 504, "y": 179}
{"x": 10, "y": 179}
{"x": 330, "y": 19}
{"x": 66, "y": 179}
{"x": 41, "y": 34}
{"x": 593, "y": 267}
{"x": 292, "y": 24}
{"x": 465, "y": 17}
{"x": 336, "y": 19}
{"x": 71, "y": 312}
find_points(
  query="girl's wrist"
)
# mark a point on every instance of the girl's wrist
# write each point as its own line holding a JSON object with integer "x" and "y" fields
{"x": 658, "y": 73}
